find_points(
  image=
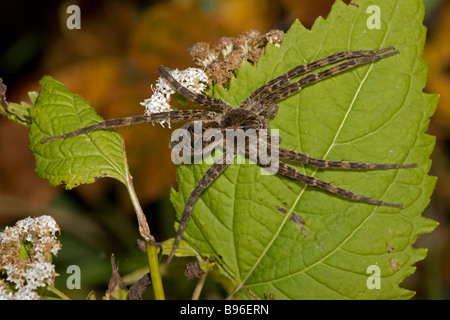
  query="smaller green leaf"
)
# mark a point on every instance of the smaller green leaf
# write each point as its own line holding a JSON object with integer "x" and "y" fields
{"x": 18, "y": 113}
{"x": 77, "y": 160}
{"x": 183, "y": 250}
{"x": 91, "y": 296}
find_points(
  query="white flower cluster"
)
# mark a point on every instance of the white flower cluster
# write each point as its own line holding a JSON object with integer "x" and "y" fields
{"x": 192, "y": 78}
{"x": 36, "y": 274}
{"x": 24, "y": 253}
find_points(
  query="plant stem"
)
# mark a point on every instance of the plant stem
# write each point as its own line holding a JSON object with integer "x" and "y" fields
{"x": 199, "y": 286}
{"x": 144, "y": 230}
{"x": 155, "y": 275}
{"x": 60, "y": 294}
{"x": 152, "y": 250}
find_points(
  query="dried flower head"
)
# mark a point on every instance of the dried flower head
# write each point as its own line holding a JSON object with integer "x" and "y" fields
{"x": 225, "y": 46}
{"x": 275, "y": 37}
{"x": 227, "y": 54}
{"x": 200, "y": 53}
{"x": 25, "y": 257}
{"x": 192, "y": 78}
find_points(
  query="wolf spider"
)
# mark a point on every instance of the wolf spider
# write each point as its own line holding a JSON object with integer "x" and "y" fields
{"x": 254, "y": 113}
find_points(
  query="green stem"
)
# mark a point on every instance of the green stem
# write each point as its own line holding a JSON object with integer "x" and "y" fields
{"x": 155, "y": 275}
{"x": 60, "y": 294}
{"x": 199, "y": 286}
{"x": 144, "y": 230}
{"x": 152, "y": 250}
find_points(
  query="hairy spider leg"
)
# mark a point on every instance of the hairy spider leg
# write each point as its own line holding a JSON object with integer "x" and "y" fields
{"x": 201, "y": 99}
{"x": 174, "y": 116}
{"x": 208, "y": 178}
{"x": 258, "y": 96}
{"x": 292, "y": 173}
{"x": 290, "y": 155}
{"x": 295, "y": 87}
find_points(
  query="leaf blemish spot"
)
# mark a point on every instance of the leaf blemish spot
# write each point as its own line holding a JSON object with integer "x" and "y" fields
{"x": 297, "y": 219}
{"x": 394, "y": 265}
{"x": 300, "y": 222}
{"x": 282, "y": 210}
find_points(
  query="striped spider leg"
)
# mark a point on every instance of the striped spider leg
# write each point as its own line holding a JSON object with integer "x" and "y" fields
{"x": 293, "y": 156}
{"x": 173, "y": 116}
{"x": 290, "y": 89}
{"x": 278, "y": 89}
{"x": 208, "y": 178}
{"x": 201, "y": 99}
{"x": 292, "y": 173}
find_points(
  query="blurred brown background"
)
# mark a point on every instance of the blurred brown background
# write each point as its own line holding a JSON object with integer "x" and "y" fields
{"x": 111, "y": 62}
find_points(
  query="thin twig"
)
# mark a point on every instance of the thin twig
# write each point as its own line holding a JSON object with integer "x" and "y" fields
{"x": 199, "y": 286}
{"x": 150, "y": 243}
{"x": 60, "y": 294}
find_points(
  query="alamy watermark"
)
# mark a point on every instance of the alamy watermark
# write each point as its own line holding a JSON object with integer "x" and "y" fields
{"x": 74, "y": 20}
{"x": 374, "y": 20}
{"x": 198, "y": 145}
{"x": 374, "y": 280}
{"x": 74, "y": 280}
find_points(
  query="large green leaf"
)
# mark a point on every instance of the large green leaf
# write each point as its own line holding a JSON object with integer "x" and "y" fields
{"x": 81, "y": 159}
{"x": 375, "y": 113}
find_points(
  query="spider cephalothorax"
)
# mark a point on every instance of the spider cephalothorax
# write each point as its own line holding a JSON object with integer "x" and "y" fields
{"x": 242, "y": 119}
{"x": 254, "y": 114}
